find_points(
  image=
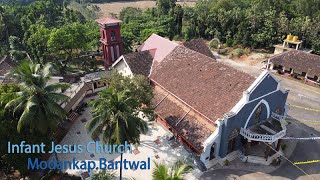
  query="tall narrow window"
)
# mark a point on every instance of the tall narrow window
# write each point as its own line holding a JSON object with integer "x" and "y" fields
{"x": 257, "y": 115}
{"x": 118, "y": 51}
{"x": 113, "y": 35}
{"x": 112, "y": 53}
{"x": 212, "y": 152}
{"x": 102, "y": 34}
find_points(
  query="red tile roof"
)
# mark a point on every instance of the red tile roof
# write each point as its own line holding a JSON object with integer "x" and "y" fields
{"x": 162, "y": 45}
{"x": 190, "y": 127}
{"x": 108, "y": 21}
{"x": 200, "y": 46}
{"x": 299, "y": 61}
{"x": 209, "y": 87}
{"x": 139, "y": 62}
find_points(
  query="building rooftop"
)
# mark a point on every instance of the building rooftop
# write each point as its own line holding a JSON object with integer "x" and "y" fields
{"x": 200, "y": 46}
{"x": 139, "y": 62}
{"x": 94, "y": 76}
{"x": 187, "y": 124}
{"x": 162, "y": 46}
{"x": 209, "y": 87}
{"x": 108, "y": 21}
{"x": 299, "y": 61}
{"x": 6, "y": 65}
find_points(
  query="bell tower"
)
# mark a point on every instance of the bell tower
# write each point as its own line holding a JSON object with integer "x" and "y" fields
{"x": 110, "y": 39}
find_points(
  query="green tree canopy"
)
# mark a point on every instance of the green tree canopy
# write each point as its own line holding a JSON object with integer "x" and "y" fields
{"x": 37, "y": 103}
{"x": 70, "y": 39}
{"x": 138, "y": 86}
{"x": 175, "y": 172}
{"x": 250, "y": 23}
{"x": 116, "y": 117}
{"x": 8, "y": 129}
{"x": 118, "y": 113}
{"x": 37, "y": 43}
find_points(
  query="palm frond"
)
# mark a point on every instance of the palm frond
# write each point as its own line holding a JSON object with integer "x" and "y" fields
{"x": 180, "y": 168}
{"x": 46, "y": 71}
{"x": 52, "y": 108}
{"x": 35, "y": 68}
{"x": 27, "y": 115}
{"x": 93, "y": 123}
{"x": 58, "y": 97}
{"x": 38, "y": 100}
{"x": 14, "y": 102}
{"x": 160, "y": 172}
{"x": 56, "y": 86}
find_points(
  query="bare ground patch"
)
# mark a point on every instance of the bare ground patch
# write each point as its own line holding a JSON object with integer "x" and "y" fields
{"x": 115, "y": 7}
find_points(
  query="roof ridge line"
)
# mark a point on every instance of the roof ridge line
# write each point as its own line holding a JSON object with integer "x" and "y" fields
{"x": 214, "y": 60}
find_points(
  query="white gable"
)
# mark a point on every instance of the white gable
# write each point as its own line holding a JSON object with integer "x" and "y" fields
{"x": 122, "y": 67}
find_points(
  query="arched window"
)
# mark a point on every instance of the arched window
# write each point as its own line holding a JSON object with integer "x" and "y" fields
{"x": 257, "y": 115}
{"x": 113, "y": 35}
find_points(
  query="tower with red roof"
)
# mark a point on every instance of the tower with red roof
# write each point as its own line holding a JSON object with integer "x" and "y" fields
{"x": 110, "y": 39}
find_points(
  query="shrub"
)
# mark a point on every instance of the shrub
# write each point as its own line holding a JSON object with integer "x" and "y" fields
{"x": 226, "y": 162}
{"x": 237, "y": 52}
{"x": 214, "y": 44}
{"x": 247, "y": 50}
{"x": 283, "y": 146}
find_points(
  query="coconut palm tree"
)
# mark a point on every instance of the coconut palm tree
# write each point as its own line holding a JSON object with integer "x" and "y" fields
{"x": 37, "y": 101}
{"x": 176, "y": 172}
{"x": 115, "y": 116}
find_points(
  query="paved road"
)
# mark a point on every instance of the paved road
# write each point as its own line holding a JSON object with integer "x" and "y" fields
{"x": 304, "y": 150}
{"x": 300, "y": 95}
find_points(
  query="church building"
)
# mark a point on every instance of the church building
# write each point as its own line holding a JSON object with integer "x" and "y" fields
{"x": 218, "y": 112}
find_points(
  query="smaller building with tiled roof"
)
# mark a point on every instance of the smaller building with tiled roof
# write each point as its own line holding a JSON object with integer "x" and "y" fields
{"x": 158, "y": 48}
{"x": 6, "y": 65}
{"x": 296, "y": 61}
{"x": 200, "y": 46}
{"x": 135, "y": 63}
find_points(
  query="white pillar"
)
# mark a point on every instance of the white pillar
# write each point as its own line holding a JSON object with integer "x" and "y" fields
{"x": 214, "y": 138}
{"x": 92, "y": 86}
{"x": 306, "y": 77}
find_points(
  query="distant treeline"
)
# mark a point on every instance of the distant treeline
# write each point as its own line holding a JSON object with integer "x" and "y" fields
{"x": 26, "y": 2}
{"x": 248, "y": 23}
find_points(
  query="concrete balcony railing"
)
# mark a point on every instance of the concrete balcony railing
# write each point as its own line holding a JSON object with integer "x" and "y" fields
{"x": 262, "y": 137}
{"x": 281, "y": 119}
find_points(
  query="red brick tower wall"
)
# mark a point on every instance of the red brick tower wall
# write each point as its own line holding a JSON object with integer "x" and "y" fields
{"x": 110, "y": 38}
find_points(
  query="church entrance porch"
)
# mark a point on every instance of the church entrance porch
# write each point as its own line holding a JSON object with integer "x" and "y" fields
{"x": 260, "y": 149}
{"x": 261, "y": 142}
